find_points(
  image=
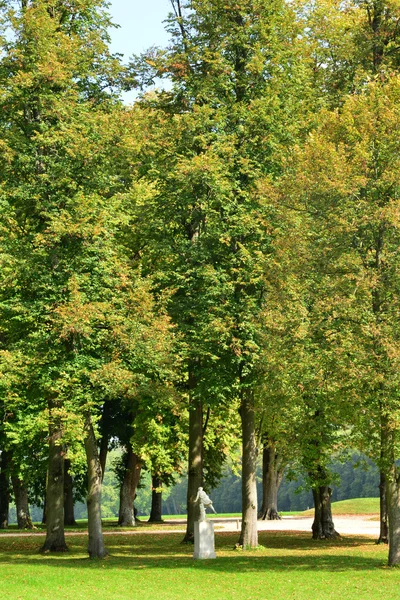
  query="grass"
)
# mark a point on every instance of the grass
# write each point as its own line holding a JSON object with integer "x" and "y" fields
{"x": 289, "y": 566}
{"x": 355, "y": 506}
{"x": 109, "y": 525}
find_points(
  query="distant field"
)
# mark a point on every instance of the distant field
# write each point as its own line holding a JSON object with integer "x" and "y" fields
{"x": 356, "y": 506}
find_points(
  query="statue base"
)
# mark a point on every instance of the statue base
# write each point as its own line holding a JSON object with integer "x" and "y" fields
{"x": 204, "y": 544}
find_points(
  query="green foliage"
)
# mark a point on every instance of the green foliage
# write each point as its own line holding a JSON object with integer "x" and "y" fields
{"x": 78, "y": 320}
{"x": 237, "y": 233}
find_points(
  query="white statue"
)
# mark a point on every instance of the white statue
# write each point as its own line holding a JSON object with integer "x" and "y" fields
{"x": 204, "y": 502}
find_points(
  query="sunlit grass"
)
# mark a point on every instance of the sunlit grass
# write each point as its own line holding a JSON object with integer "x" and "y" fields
{"x": 290, "y": 565}
{"x": 355, "y": 506}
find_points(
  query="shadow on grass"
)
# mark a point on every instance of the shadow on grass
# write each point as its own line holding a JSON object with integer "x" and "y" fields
{"x": 108, "y": 528}
{"x": 281, "y": 552}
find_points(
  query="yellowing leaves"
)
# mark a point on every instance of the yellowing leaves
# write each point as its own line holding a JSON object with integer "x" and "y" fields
{"x": 76, "y": 318}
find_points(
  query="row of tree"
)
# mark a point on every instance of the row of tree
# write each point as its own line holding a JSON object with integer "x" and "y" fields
{"x": 357, "y": 477}
{"x": 217, "y": 262}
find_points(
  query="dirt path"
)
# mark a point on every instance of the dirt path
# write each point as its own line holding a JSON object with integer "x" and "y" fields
{"x": 345, "y": 525}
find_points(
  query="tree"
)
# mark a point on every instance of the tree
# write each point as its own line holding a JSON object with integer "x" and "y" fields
{"x": 350, "y": 184}
{"x": 54, "y": 109}
{"x": 156, "y": 500}
{"x": 231, "y": 73}
{"x": 4, "y": 491}
{"x": 360, "y": 42}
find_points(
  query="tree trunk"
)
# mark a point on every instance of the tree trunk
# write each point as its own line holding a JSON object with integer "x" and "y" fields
{"x": 44, "y": 514}
{"x": 55, "y": 538}
{"x": 323, "y": 527}
{"x": 96, "y": 546}
{"x": 103, "y": 454}
{"x": 383, "y": 517}
{"x": 156, "y": 501}
{"x": 195, "y": 465}
{"x": 21, "y": 501}
{"x": 129, "y": 485}
{"x": 69, "y": 516}
{"x": 175, "y": 508}
{"x": 272, "y": 477}
{"x": 105, "y": 435}
{"x": 393, "y": 504}
{"x": 4, "y": 490}
{"x": 249, "y": 534}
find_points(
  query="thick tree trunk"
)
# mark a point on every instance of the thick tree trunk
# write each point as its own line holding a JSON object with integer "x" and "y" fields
{"x": 69, "y": 516}
{"x": 4, "y": 490}
{"x": 249, "y": 534}
{"x": 22, "y": 505}
{"x": 55, "y": 538}
{"x": 96, "y": 546}
{"x": 323, "y": 527}
{"x": 383, "y": 516}
{"x": 128, "y": 489}
{"x": 393, "y": 503}
{"x": 195, "y": 466}
{"x": 156, "y": 501}
{"x": 272, "y": 477}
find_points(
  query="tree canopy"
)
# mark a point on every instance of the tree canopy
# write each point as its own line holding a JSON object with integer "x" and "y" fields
{"x": 213, "y": 266}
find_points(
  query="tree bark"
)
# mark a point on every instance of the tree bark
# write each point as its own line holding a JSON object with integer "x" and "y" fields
{"x": 195, "y": 465}
{"x": 156, "y": 501}
{"x": 55, "y": 538}
{"x": 96, "y": 546}
{"x": 128, "y": 489}
{"x": 272, "y": 477}
{"x": 22, "y": 505}
{"x": 393, "y": 502}
{"x": 105, "y": 435}
{"x": 4, "y": 490}
{"x": 69, "y": 516}
{"x": 103, "y": 453}
{"x": 323, "y": 527}
{"x": 44, "y": 514}
{"x": 383, "y": 516}
{"x": 249, "y": 534}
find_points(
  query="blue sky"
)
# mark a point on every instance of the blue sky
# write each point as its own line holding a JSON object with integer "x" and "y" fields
{"x": 140, "y": 25}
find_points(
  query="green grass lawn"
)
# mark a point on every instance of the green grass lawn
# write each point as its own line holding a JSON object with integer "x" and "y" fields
{"x": 157, "y": 567}
{"x": 355, "y": 506}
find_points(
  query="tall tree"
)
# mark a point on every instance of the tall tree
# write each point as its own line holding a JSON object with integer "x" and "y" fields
{"x": 4, "y": 490}
{"x": 56, "y": 76}
{"x": 350, "y": 183}
{"x": 232, "y": 68}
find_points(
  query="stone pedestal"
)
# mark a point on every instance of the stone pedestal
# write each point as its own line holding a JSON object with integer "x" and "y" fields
{"x": 204, "y": 540}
